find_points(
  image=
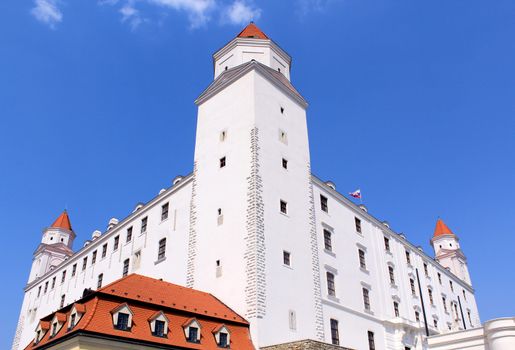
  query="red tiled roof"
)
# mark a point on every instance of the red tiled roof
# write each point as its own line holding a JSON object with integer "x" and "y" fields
{"x": 252, "y": 31}
{"x": 44, "y": 325}
{"x": 98, "y": 318}
{"x": 150, "y": 290}
{"x": 60, "y": 317}
{"x": 81, "y": 308}
{"x": 441, "y": 229}
{"x": 63, "y": 221}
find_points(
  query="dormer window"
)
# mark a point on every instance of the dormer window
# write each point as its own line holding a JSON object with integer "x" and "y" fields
{"x": 192, "y": 331}
{"x": 159, "y": 324}
{"x": 41, "y": 331}
{"x": 222, "y": 336}
{"x": 57, "y": 323}
{"x": 76, "y": 314}
{"x": 122, "y": 317}
{"x": 54, "y": 329}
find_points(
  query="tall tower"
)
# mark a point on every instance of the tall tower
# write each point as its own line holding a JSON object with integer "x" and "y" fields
{"x": 252, "y": 232}
{"x": 56, "y": 246}
{"x": 448, "y": 252}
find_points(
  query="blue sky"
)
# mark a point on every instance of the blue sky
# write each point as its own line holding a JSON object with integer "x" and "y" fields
{"x": 413, "y": 101}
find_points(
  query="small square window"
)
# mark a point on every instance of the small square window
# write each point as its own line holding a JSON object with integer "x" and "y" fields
{"x": 387, "y": 244}
{"x": 159, "y": 328}
{"x": 283, "y": 137}
{"x": 104, "y": 250}
{"x": 323, "y": 203}
{"x": 396, "y": 309}
{"x": 94, "y": 257}
{"x": 284, "y": 207}
{"x": 164, "y": 211}
{"x": 282, "y": 108}
{"x": 129, "y": 234}
{"x": 223, "y": 136}
{"x": 285, "y": 163}
{"x": 123, "y": 321}
{"x": 286, "y": 258}
{"x": 116, "y": 243}
{"x": 328, "y": 244}
{"x": 144, "y": 223}
{"x": 222, "y": 162}
{"x": 193, "y": 335}
{"x": 357, "y": 223}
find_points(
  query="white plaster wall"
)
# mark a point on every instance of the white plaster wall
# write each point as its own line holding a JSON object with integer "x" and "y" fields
{"x": 172, "y": 269}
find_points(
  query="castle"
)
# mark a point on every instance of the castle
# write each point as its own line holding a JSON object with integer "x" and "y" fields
{"x": 256, "y": 228}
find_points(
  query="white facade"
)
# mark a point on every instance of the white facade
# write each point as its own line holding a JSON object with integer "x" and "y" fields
{"x": 249, "y": 226}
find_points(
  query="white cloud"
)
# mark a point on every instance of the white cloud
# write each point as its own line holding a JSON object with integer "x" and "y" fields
{"x": 46, "y": 11}
{"x": 198, "y": 11}
{"x": 241, "y": 12}
{"x": 131, "y": 15}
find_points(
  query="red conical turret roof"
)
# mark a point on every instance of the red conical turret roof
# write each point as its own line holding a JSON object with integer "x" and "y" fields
{"x": 252, "y": 31}
{"x": 442, "y": 229}
{"x": 63, "y": 221}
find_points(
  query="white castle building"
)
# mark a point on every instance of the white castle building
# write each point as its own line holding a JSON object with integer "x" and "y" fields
{"x": 254, "y": 226}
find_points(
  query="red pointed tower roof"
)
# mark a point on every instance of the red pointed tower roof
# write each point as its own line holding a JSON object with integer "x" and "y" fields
{"x": 442, "y": 229}
{"x": 63, "y": 221}
{"x": 252, "y": 31}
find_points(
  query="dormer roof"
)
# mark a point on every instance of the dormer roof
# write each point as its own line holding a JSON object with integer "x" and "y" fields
{"x": 441, "y": 229}
{"x": 63, "y": 221}
{"x": 252, "y": 31}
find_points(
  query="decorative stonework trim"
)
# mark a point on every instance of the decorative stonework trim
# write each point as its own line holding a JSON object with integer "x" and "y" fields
{"x": 315, "y": 263}
{"x": 255, "y": 289}
{"x": 307, "y": 344}
{"x": 192, "y": 239}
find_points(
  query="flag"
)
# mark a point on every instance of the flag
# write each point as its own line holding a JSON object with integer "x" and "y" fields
{"x": 356, "y": 194}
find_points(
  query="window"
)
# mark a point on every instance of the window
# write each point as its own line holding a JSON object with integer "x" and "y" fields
{"x": 284, "y": 207}
{"x": 439, "y": 278}
{"x": 285, "y": 164}
{"x": 430, "y": 292}
{"x": 387, "y": 244}
{"x": 444, "y": 304}
{"x": 362, "y": 262}
{"x": 218, "y": 268}
{"x": 417, "y": 316}
{"x": 371, "y": 343}
{"x": 54, "y": 329}
{"x": 84, "y": 263}
{"x": 323, "y": 203}
{"x": 223, "y": 343}
{"x": 123, "y": 321}
{"x": 159, "y": 328}
{"x": 129, "y": 235}
{"x": 412, "y": 285}
{"x": 220, "y": 217}
{"x": 62, "y": 301}
{"x": 99, "y": 280}
{"x": 408, "y": 258}
{"x": 426, "y": 272}
{"x": 435, "y": 322}
{"x": 286, "y": 258}
{"x": 72, "y": 320}
{"x": 469, "y": 317}
{"x": 222, "y": 162}
{"x": 283, "y": 137}
{"x": 193, "y": 335}
{"x": 104, "y": 250}
{"x": 292, "y": 320}
{"x": 282, "y": 108}
{"x": 94, "y": 257}
{"x": 331, "y": 289}
{"x": 53, "y": 283}
{"x": 366, "y": 299}
{"x": 116, "y": 243}
{"x": 164, "y": 211}
{"x": 452, "y": 287}
{"x": 63, "y": 276}
{"x": 161, "y": 252}
{"x": 328, "y": 244}
{"x": 39, "y": 291}
{"x": 125, "y": 267}
{"x": 144, "y": 222}
{"x": 391, "y": 275}
{"x": 74, "y": 269}
{"x": 396, "y": 309}
{"x": 357, "y": 223}
{"x": 223, "y": 134}
{"x": 335, "y": 338}
{"x": 46, "y": 287}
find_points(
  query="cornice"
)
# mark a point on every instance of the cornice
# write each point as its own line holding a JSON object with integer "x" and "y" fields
{"x": 251, "y": 42}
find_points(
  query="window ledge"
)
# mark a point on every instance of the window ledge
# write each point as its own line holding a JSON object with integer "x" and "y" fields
{"x": 364, "y": 270}
{"x": 367, "y": 311}
{"x": 159, "y": 260}
{"x": 288, "y": 266}
{"x": 333, "y": 298}
{"x": 163, "y": 220}
{"x": 330, "y": 252}
{"x": 284, "y": 214}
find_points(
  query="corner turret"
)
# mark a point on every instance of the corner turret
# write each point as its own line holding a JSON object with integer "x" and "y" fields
{"x": 56, "y": 246}
{"x": 448, "y": 252}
